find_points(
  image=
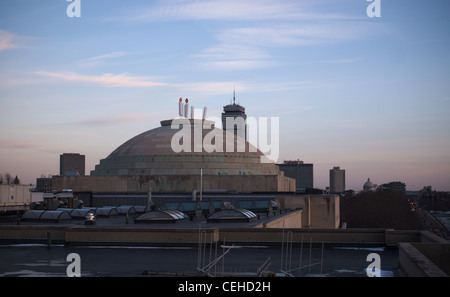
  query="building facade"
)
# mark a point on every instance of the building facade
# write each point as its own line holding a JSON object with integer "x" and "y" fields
{"x": 149, "y": 160}
{"x": 301, "y": 172}
{"x": 72, "y": 164}
{"x": 44, "y": 184}
{"x": 337, "y": 180}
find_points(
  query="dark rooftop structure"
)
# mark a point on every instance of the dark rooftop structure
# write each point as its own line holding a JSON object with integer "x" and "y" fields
{"x": 161, "y": 216}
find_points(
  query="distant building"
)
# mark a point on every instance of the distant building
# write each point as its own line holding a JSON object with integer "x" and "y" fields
{"x": 301, "y": 172}
{"x": 430, "y": 199}
{"x": 337, "y": 180}
{"x": 369, "y": 186}
{"x": 394, "y": 186}
{"x": 44, "y": 184}
{"x": 236, "y": 113}
{"x": 72, "y": 164}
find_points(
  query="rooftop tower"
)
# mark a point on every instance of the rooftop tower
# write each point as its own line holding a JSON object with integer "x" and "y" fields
{"x": 234, "y": 118}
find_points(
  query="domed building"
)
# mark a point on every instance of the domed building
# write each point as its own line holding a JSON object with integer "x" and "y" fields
{"x": 369, "y": 186}
{"x": 189, "y": 161}
{"x": 176, "y": 158}
{"x": 152, "y": 153}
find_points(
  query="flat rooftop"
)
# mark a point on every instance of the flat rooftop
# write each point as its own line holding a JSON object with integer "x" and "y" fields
{"x": 117, "y": 247}
{"x": 129, "y": 222}
{"x": 242, "y": 260}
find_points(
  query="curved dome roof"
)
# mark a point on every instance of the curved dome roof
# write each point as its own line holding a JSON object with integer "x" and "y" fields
{"x": 369, "y": 185}
{"x": 184, "y": 151}
{"x": 158, "y": 141}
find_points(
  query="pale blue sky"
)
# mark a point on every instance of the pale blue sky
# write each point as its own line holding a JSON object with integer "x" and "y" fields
{"x": 371, "y": 95}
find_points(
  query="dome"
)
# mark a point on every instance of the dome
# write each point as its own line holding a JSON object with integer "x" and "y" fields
{"x": 158, "y": 141}
{"x": 184, "y": 151}
{"x": 368, "y": 185}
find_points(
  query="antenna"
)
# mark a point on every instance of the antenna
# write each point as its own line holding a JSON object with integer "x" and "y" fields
{"x": 234, "y": 95}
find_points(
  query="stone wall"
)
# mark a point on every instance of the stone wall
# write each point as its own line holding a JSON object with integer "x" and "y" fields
{"x": 319, "y": 211}
{"x": 292, "y": 219}
{"x": 174, "y": 183}
{"x": 184, "y": 165}
{"x": 416, "y": 259}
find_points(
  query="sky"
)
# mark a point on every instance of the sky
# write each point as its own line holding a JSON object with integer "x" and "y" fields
{"x": 368, "y": 94}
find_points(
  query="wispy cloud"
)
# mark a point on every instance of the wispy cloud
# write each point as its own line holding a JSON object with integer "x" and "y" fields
{"x": 255, "y": 27}
{"x": 226, "y": 87}
{"x": 341, "y": 61}
{"x": 253, "y": 47}
{"x": 119, "y": 119}
{"x": 213, "y": 87}
{"x": 7, "y": 41}
{"x": 299, "y": 109}
{"x": 123, "y": 80}
{"x": 298, "y": 34}
{"x": 227, "y": 56}
{"x": 102, "y": 58}
{"x": 237, "y": 64}
{"x": 249, "y": 10}
{"x": 10, "y": 143}
{"x": 210, "y": 88}
{"x": 216, "y": 10}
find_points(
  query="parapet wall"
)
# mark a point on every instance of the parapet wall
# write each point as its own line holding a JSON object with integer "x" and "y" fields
{"x": 174, "y": 183}
{"x": 425, "y": 259}
{"x": 293, "y": 219}
{"x": 319, "y": 211}
{"x": 149, "y": 235}
{"x": 420, "y": 252}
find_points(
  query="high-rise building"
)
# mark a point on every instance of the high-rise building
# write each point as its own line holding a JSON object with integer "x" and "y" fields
{"x": 301, "y": 172}
{"x": 337, "y": 180}
{"x": 72, "y": 164}
{"x": 236, "y": 116}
